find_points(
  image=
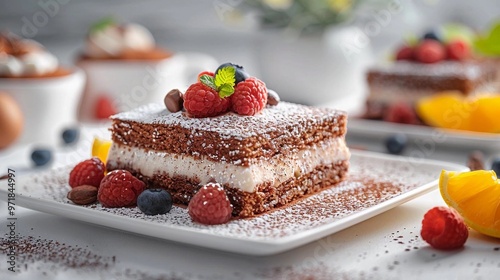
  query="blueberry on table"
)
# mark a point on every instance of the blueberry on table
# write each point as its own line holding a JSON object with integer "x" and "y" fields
{"x": 70, "y": 135}
{"x": 154, "y": 201}
{"x": 495, "y": 165}
{"x": 240, "y": 74}
{"x": 41, "y": 156}
{"x": 395, "y": 144}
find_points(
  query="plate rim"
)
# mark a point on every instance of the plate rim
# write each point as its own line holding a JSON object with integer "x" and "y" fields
{"x": 358, "y": 126}
{"x": 255, "y": 246}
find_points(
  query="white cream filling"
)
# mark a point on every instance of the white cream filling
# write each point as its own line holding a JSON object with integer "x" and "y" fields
{"x": 245, "y": 178}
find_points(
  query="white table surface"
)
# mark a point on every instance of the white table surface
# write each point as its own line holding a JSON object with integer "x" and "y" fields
{"x": 387, "y": 246}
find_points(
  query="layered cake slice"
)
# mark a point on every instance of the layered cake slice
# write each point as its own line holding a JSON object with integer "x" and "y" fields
{"x": 263, "y": 161}
{"x": 409, "y": 81}
{"x": 431, "y": 66}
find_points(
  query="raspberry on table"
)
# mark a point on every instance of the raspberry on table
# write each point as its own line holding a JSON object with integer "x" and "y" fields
{"x": 87, "y": 172}
{"x": 210, "y": 205}
{"x": 249, "y": 97}
{"x": 443, "y": 228}
{"x": 202, "y": 101}
{"x": 120, "y": 189}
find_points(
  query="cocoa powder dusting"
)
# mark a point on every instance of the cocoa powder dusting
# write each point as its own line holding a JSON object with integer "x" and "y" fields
{"x": 31, "y": 250}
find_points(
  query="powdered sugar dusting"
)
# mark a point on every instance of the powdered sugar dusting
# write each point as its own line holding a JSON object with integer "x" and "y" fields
{"x": 369, "y": 184}
{"x": 284, "y": 116}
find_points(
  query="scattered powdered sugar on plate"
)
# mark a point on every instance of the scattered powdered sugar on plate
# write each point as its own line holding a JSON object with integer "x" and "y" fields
{"x": 370, "y": 183}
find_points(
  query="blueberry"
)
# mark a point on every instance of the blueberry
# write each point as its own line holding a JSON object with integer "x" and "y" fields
{"x": 154, "y": 201}
{"x": 431, "y": 35}
{"x": 70, "y": 135}
{"x": 395, "y": 144}
{"x": 495, "y": 165}
{"x": 241, "y": 74}
{"x": 41, "y": 156}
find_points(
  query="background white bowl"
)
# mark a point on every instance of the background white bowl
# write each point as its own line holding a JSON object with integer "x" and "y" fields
{"x": 132, "y": 83}
{"x": 49, "y": 105}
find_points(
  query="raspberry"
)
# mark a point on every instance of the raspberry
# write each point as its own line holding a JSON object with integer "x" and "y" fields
{"x": 405, "y": 53}
{"x": 249, "y": 97}
{"x": 401, "y": 112}
{"x": 443, "y": 228}
{"x": 202, "y": 101}
{"x": 205, "y": 73}
{"x": 87, "y": 172}
{"x": 104, "y": 108}
{"x": 120, "y": 189}
{"x": 458, "y": 50}
{"x": 210, "y": 205}
{"x": 430, "y": 51}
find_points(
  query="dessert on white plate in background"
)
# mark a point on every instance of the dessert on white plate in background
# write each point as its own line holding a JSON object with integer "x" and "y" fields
{"x": 24, "y": 58}
{"x": 46, "y": 92}
{"x": 126, "y": 68}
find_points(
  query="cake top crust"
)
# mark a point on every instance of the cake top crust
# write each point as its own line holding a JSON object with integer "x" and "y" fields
{"x": 282, "y": 116}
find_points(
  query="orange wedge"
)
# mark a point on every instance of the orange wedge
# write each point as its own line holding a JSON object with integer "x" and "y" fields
{"x": 100, "y": 148}
{"x": 476, "y": 196}
{"x": 485, "y": 115}
{"x": 451, "y": 110}
{"x": 446, "y": 110}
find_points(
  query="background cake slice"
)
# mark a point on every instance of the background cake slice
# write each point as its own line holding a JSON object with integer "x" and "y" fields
{"x": 263, "y": 161}
{"x": 430, "y": 66}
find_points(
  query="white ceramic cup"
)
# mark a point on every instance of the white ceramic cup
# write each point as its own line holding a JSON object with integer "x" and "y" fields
{"x": 132, "y": 83}
{"x": 49, "y": 105}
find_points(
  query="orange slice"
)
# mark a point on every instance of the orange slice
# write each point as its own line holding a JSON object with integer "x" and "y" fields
{"x": 100, "y": 148}
{"x": 485, "y": 115}
{"x": 446, "y": 110}
{"x": 451, "y": 110}
{"x": 476, "y": 196}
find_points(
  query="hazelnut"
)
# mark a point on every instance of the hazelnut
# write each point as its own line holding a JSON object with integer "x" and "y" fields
{"x": 173, "y": 100}
{"x": 272, "y": 97}
{"x": 83, "y": 195}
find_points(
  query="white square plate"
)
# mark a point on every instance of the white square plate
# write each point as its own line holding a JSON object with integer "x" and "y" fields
{"x": 376, "y": 184}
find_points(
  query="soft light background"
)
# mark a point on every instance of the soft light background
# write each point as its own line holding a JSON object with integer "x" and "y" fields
{"x": 218, "y": 27}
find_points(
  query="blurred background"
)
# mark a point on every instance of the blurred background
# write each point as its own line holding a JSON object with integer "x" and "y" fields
{"x": 318, "y": 43}
{"x": 227, "y": 29}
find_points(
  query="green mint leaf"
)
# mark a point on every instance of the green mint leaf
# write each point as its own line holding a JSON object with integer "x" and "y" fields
{"x": 225, "y": 75}
{"x": 208, "y": 81}
{"x": 102, "y": 24}
{"x": 226, "y": 90}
